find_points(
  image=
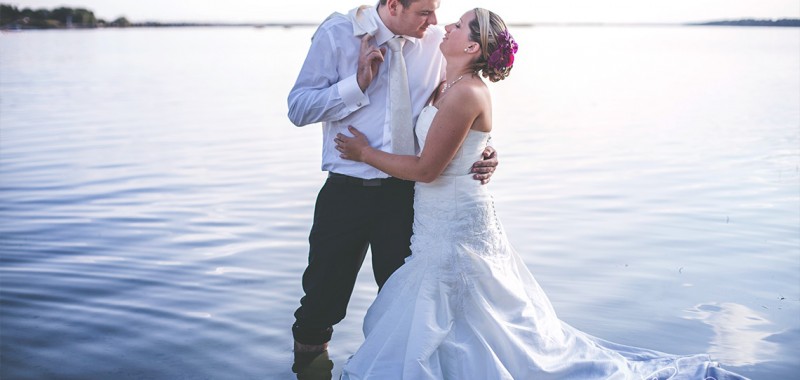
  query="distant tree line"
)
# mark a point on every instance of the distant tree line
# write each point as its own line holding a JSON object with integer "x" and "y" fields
{"x": 12, "y": 17}
{"x": 753, "y": 22}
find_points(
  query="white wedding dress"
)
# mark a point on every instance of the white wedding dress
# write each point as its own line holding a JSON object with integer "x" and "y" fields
{"x": 464, "y": 305}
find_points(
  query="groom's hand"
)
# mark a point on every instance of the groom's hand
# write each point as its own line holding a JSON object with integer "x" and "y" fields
{"x": 484, "y": 168}
{"x": 369, "y": 61}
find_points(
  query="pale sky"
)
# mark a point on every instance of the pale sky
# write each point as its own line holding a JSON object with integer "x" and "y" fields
{"x": 647, "y": 11}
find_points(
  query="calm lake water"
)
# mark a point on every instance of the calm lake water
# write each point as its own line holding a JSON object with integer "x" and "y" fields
{"x": 155, "y": 200}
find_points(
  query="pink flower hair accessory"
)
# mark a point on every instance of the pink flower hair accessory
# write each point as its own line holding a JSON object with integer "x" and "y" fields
{"x": 503, "y": 57}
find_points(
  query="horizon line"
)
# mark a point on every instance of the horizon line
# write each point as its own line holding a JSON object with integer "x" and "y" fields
{"x": 723, "y": 22}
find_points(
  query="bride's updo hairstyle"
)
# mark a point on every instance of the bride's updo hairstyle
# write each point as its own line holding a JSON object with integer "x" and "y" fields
{"x": 497, "y": 45}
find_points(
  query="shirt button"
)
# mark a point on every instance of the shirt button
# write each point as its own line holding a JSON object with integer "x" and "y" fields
{"x": 358, "y": 104}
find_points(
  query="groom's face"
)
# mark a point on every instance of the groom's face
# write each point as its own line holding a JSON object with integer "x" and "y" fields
{"x": 414, "y": 20}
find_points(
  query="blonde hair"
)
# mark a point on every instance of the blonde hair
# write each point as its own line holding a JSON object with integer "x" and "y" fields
{"x": 484, "y": 30}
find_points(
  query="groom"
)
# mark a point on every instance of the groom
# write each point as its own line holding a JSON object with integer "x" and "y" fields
{"x": 360, "y": 206}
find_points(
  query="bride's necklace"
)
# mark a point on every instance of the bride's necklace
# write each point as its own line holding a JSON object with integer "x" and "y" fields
{"x": 448, "y": 85}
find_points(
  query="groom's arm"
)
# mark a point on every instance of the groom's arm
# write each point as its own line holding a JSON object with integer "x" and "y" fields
{"x": 322, "y": 92}
{"x": 484, "y": 168}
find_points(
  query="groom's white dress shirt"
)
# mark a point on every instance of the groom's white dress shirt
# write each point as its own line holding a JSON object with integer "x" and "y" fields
{"x": 326, "y": 89}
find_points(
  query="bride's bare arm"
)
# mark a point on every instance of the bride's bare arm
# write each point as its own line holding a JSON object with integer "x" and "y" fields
{"x": 450, "y": 126}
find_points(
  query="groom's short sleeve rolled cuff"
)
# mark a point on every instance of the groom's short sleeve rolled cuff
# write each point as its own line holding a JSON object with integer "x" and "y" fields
{"x": 351, "y": 94}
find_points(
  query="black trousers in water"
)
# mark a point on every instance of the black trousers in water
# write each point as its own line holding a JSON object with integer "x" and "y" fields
{"x": 350, "y": 215}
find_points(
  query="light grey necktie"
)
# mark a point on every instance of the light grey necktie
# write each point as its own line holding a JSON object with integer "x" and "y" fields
{"x": 400, "y": 107}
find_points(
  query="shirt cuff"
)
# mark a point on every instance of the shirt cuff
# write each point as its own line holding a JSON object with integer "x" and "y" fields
{"x": 351, "y": 94}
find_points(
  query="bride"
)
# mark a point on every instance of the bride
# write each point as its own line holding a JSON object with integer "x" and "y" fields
{"x": 464, "y": 305}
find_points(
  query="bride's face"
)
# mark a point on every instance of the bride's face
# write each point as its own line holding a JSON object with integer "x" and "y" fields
{"x": 456, "y": 38}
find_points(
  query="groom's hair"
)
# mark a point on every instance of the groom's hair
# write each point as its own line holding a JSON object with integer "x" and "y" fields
{"x": 405, "y": 3}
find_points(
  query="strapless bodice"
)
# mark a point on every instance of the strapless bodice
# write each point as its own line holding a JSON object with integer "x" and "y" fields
{"x": 469, "y": 152}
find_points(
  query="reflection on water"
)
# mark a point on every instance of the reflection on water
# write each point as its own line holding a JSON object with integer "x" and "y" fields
{"x": 740, "y": 333}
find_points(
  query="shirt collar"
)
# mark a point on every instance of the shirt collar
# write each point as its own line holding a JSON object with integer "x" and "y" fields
{"x": 369, "y": 15}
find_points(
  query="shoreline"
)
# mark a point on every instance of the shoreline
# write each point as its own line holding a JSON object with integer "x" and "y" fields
{"x": 785, "y": 23}
{"x": 14, "y": 19}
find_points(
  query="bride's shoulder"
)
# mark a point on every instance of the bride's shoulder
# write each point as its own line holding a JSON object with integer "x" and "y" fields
{"x": 471, "y": 96}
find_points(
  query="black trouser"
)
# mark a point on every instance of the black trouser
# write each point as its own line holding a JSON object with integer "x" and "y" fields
{"x": 350, "y": 215}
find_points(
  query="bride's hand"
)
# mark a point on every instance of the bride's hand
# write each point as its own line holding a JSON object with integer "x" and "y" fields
{"x": 352, "y": 148}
